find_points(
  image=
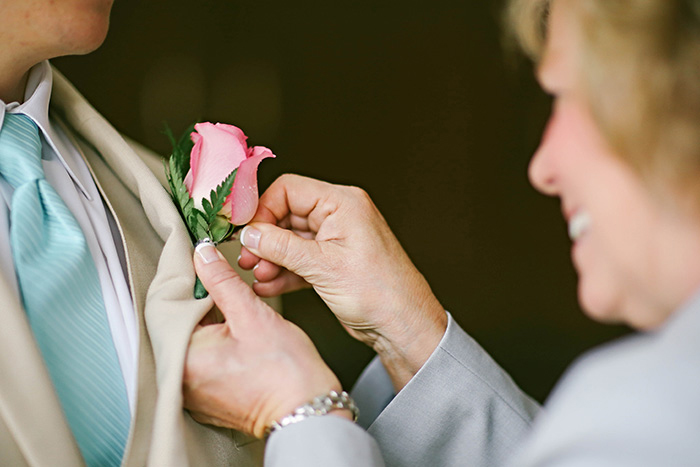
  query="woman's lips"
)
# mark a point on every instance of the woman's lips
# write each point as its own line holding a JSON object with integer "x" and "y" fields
{"x": 579, "y": 224}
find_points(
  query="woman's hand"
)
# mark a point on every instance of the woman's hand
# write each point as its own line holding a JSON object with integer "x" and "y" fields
{"x": 334, "y": 238}
{"x": 254, "y": 368}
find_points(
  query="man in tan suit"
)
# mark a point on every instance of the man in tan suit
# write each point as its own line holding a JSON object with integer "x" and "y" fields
{"x": 145, "y": 253}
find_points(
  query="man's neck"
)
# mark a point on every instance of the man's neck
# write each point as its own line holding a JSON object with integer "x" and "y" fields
{"x": 12, "y": 85}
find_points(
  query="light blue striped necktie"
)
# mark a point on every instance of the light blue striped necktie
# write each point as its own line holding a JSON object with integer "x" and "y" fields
{"x": 62, "y": 296}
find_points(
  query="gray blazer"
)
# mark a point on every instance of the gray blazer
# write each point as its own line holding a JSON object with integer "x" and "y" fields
{"x": 635, "y": 402}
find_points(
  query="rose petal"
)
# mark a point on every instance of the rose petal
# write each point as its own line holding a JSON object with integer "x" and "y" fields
{"x": 233, "y": 130}
{"x": 194, "y": 160}
{"x": 243, "y": 200}
{"x": 222, "y": 150}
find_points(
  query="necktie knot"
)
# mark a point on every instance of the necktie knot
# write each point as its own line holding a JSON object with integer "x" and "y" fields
{"x": 20, "y": 150}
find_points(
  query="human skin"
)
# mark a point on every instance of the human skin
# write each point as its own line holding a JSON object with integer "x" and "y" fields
{"x": 390, "y": 308}
{"x": 636, "y": 256}
{"x": 636, "y": 250}
{"x": 341, "y": 245}
{"x": 32, "y": 31}
{"x": 278, "y": 362}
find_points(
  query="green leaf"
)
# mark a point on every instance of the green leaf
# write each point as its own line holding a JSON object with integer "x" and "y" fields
{"x": 220, "y": 229}
{"x": 184, "y": 149}
{"x": 207, "y": 208}
{"x": 185, "y": 141}
{"x": 188, "y": 207}
{"x": 218, "y": 197}
{"x": 179, "y": 193}
{"x": 198, "y": 225}
{"x": 178, "y": 157}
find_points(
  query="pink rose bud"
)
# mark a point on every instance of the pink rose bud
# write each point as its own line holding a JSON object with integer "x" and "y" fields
{"x": 218, "y": 150}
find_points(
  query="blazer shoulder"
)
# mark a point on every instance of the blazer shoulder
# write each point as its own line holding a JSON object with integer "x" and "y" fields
{"x": 656, "y": 359}
{"x": 631, "y": 402}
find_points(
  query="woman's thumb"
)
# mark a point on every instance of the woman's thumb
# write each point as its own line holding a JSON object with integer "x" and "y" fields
{"x": 233, "y": 296}
{"x": 280, "y": 246}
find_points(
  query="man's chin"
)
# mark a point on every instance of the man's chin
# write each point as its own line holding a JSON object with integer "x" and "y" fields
{"x": 83, "y": 34}
{"x": 85, "y": 44}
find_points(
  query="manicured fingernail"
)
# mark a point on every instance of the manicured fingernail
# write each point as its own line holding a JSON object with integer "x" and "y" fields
{"x": 250, "y": 237}
{"x": 207, "y": 253}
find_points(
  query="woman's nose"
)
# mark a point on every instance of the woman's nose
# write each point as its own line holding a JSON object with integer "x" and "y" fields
{"x": 542, "y": 172}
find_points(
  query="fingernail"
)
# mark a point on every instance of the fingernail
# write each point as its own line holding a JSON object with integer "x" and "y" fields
{"x": 207, "y": 253}
{"x": 250, "y": 237}
{"x": 238, "y": 260}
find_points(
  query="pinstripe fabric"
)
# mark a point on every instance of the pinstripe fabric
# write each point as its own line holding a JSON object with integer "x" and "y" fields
{"x": 63, "y": 300}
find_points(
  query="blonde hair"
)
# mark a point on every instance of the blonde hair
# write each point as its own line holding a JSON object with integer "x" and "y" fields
{"x": 641, "y": 69}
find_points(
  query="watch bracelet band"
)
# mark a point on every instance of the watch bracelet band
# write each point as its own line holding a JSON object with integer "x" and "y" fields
{"x": 320, "y": 405}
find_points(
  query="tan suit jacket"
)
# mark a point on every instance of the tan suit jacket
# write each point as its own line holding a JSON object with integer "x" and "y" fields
{"x": 33, "y": 430}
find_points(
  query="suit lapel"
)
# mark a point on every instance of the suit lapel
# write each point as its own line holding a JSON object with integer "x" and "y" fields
{"x": 161, "y": 277}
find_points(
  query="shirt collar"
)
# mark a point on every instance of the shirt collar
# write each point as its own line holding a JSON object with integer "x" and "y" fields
{"x": 37, "y": 96}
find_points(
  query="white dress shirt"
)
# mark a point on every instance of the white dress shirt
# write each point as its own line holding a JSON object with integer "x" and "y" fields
{"x": 68, "y": 173}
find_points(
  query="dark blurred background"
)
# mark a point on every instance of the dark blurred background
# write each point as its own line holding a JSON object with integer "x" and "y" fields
{"x": 415, "y": 102}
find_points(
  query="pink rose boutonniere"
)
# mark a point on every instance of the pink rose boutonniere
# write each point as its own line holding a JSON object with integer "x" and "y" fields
{"x": 213, "y": 178}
